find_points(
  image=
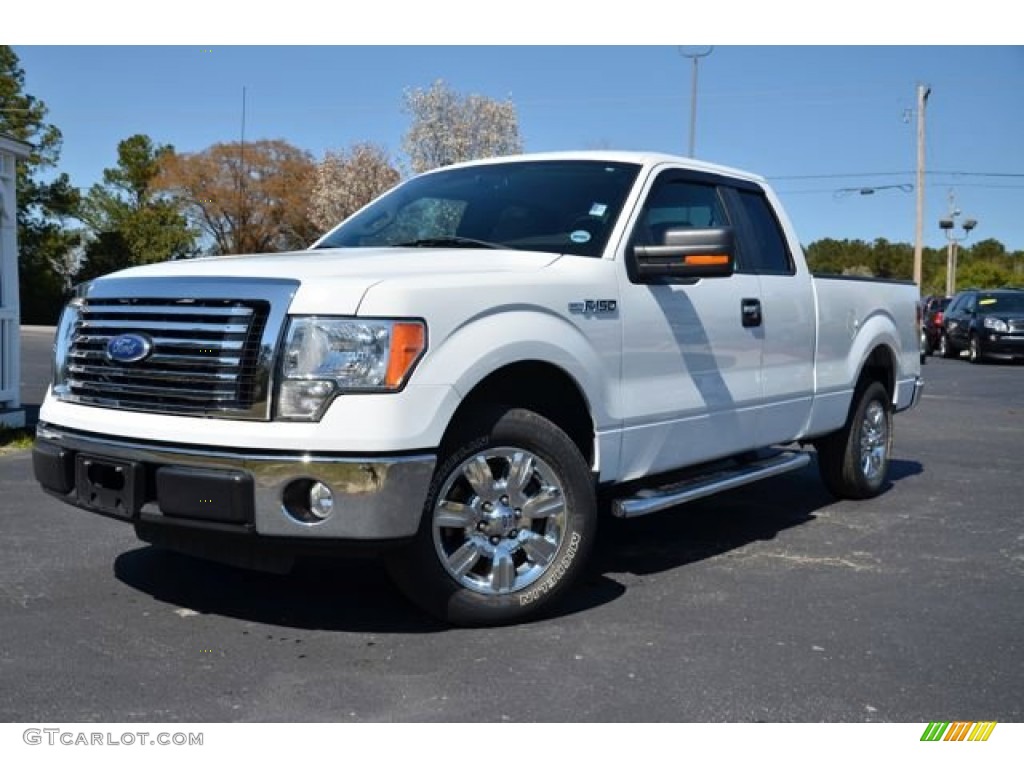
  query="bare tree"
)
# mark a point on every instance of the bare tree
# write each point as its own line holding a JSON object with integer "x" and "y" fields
{"x": 450, "y": 128}
{"x": 347, "y": 180}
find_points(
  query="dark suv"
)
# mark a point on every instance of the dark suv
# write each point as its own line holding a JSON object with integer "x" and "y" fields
{"x": 932, "y": 308}
{"x": 987, "y": 323}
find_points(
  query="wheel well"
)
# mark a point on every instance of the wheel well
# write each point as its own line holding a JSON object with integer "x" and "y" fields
{"x": 540, "y": 387}
{"x": 881, "y": 367}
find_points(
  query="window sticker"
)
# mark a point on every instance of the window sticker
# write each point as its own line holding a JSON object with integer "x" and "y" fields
{"x": 598, "y": 209}
{"x": 983, "y": 302}
{"x": 580, "y": 236}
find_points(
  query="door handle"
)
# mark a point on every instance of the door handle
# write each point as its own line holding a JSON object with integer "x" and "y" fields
{"x": 750, "y": 312}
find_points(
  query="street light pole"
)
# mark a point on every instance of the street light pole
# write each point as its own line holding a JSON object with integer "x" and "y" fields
{"x": 694, "y": 54}
{"x": 947, "y": 225}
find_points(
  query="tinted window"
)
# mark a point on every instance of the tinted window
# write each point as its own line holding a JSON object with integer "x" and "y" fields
{"x": 676, "y": 203}
{"x": 764, "y": 248}
{"x": 995, "y": 303}
{"x": 556, "y": 206}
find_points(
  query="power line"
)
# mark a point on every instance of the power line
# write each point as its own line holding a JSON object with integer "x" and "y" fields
{"x": 936, "y": 185}
{"x": 893, "y": 173}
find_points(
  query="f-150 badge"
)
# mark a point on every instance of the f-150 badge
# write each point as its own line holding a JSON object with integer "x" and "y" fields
{"x": 593, "y": 307}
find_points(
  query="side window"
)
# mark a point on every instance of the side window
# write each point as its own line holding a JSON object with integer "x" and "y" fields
{"x": 677, "y": 203}
{"x": 971, "y": 305}
{"x": 764, "y": 248}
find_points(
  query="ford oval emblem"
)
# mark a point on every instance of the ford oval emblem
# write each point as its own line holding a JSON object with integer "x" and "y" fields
{"x": 129, "y": 348}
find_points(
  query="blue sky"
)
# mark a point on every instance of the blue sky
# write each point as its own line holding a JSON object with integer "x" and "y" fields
{"x": 840, "y": 113}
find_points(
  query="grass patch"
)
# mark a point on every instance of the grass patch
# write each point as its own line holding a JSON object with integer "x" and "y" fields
{"x": 14, "y": 440}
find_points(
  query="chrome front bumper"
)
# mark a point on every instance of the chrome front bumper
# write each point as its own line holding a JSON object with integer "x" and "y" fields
{"x": 375, "y": 498}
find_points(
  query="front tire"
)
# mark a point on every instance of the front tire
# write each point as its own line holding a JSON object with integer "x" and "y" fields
{"x": 507, "y": 525}
{"x": 854, "y": 461}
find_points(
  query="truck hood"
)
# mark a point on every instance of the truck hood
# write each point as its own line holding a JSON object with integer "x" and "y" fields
{"x": 339, "y": 277}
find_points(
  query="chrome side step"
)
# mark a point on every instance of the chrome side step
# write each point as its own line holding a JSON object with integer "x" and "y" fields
{"x": 656, "y": 499}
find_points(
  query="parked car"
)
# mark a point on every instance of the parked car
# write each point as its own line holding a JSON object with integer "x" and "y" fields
{"x": 987, "y": 323}
{"x": 932, "y": 309}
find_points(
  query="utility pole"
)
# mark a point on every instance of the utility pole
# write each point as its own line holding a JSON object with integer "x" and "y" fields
{"x": 694, "y": 54}
{"x": 923, "y": 91}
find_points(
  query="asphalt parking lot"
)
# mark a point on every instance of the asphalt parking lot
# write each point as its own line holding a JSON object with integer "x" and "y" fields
{"x": 770, "y": 603}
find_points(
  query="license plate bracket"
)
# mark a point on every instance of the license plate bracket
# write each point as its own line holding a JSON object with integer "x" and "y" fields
{"x": 109, "y": 486}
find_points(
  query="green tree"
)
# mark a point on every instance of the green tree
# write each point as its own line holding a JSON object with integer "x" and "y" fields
{"x": 981, "y": 274}
{"x": 986, "y": 264}
{"x": 892, "y": 260}
{"x": 131, "y": 222}
{"x": 44, "y": 207}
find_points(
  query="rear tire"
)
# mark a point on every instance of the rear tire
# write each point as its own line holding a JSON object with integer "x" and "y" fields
{"x": 854, "y": 461}
{"x": 945, "y": 348}
{"x": 508, "y": 522}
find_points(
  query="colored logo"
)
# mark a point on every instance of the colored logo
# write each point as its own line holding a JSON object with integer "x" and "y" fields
{"x": 129, "y": 348}
{"x": 958, "y": 731}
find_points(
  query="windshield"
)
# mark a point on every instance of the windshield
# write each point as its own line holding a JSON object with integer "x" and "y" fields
{"x": 559, "y": 206}
{"x": 998, "y": 303}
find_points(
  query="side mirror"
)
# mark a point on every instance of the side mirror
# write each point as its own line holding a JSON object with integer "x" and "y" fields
{"x": 687, "y": 254}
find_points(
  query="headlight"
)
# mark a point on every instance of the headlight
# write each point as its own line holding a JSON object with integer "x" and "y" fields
{"x": 326, "y": 356}
{"x": 997, "y": 325}
{"x": 66, "y": 328}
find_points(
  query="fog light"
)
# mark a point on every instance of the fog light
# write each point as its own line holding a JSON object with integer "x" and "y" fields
{"x": 307, "y": 500}
{"x": 321, "y": 501}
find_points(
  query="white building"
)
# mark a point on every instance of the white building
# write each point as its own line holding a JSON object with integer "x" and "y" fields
{"x": 11, "y": 412}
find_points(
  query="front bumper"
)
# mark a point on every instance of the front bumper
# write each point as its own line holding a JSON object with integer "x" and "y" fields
{"x": 246, "y": 492}
{"x": 1009, "y": 345}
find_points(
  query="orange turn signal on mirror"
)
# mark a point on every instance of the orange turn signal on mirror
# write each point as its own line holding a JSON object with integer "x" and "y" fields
{"x": 706, "y": 260}
{"x": 408, "y": 340}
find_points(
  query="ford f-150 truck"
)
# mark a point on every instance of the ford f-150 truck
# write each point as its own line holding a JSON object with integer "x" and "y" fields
{"x": 458, "y": 372}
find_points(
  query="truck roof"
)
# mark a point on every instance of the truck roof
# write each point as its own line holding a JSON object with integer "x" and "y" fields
{"x": 618, "y": 156}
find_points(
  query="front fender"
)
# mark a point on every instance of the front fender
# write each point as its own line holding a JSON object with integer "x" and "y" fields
{"x": 503, "y": 336}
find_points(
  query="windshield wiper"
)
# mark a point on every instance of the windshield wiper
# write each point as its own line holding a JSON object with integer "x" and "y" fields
{"x": 451, "y": 241}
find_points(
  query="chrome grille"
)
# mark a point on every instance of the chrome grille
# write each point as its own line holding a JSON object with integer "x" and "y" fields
{"x": 205, "y": 357}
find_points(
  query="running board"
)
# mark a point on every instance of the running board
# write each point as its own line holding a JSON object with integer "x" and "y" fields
{"x": 652, "y": 500}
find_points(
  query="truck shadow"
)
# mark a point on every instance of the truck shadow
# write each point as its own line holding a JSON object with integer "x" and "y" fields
{"x": 350, "y": 594}
{"x": 714, "y": 526}
{"x": 355, "y": 594}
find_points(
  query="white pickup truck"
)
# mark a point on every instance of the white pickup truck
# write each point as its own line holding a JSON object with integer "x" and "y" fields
{"x": 454, "y": 374}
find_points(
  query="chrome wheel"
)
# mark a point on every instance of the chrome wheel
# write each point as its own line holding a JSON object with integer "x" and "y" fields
{"x": 854, "y": 460}
{"x": 874, "y": 442}
{"x": 499, "y": 520}
{"x": 974, "y": 350}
